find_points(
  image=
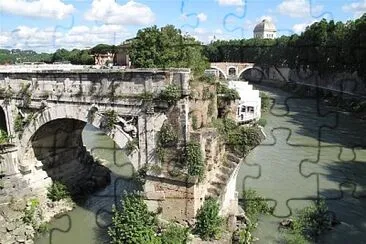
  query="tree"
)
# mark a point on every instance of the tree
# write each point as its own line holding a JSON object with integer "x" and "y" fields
{"x": 167, "y": 48}
{"x": 133, "y": 223}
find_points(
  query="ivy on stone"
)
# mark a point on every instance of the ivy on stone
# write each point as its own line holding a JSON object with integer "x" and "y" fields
{"x": 194, "y": 160}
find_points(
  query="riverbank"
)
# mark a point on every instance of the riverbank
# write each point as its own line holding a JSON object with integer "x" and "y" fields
{"x": 23, "y": 219}
{"x": 354, "y": 105}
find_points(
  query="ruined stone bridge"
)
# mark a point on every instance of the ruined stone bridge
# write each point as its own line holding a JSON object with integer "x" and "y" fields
{"x": 45, "y": 111}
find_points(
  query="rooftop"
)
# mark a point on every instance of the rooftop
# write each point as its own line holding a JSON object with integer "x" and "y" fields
{"x": 265, "y": 25}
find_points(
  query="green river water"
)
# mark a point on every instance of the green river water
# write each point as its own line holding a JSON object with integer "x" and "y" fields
{"x": 280, "y": 169}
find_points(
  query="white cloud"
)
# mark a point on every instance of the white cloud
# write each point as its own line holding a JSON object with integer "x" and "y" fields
{"x": 357, "y": 8}
{"x": 299, "y": 8}
{"x": 231, "y": 2}
{"x": 41, "y": 8}
{"x": 110, "y": 12}
{"x": 298, "y": 28}
{"x": 50, "y": 39}
{"x": 202, "y": 17}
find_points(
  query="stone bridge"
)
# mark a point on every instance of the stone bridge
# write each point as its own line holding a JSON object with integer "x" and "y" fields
{"x": 45, "y": 111}
{"x": 231, "y": 70}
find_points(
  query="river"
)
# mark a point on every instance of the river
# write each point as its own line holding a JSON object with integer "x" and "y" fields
{"x": 87, "y": 224}
{"x": 307, "y": 155}
{"x": 279, "y": 169}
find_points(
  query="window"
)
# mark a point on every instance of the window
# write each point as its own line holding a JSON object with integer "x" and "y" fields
{"x": 250, "y": 109}
{"x": 232, "y": 71}
{"x": 243, "y": 109}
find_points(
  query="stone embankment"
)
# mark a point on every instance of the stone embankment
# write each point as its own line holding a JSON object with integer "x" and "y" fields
{"x": 13, "y": 226}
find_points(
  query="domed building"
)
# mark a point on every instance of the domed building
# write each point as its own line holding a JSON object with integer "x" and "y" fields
{"x": 265, "y": 29}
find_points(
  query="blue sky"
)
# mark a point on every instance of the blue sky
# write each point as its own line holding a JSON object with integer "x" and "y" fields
{"x": 45, "y": 25}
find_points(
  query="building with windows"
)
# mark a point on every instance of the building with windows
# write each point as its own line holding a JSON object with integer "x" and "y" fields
{"x": 249, "y": 107}
{"x": 265, "y": 30}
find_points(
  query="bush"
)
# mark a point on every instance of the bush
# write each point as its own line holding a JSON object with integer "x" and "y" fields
{"x": 265, "y": 101}
{"x": 312, "y": 221}
{"x": 171, "y": 94}
{"x": 209, "y": 223}
{"x": 175, "y": 234}
{"x": 57, "y": 191}
{"x": 262, "y": 122}
{"x": 18, "y": 123}
{"x": 167, "y": 136}
{"x": 194, "y": 160}
{"x": 239, "y": 139}
{"x": 133, "y": 223}
{"x": 227, "y": 94}
{"x": 254, "y": 205}
{"x": 29, "y": 212}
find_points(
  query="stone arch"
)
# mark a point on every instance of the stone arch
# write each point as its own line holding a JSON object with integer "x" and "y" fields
{"x": 220, "y": 70}
{"x": 251, "y": 67}
{"x": 3, "y": 120}
{"x": 77, "y": 113}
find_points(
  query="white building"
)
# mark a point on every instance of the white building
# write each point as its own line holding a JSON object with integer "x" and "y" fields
{"x": 265, "y": 29}
{"x": 249, "y": 107}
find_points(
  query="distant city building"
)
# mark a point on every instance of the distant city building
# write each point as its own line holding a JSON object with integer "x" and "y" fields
{"x": 103, "y": 58}
{"x": 122, "y": 58}
{"x": 249, "y": 107}
{"x": 265, "y": 30}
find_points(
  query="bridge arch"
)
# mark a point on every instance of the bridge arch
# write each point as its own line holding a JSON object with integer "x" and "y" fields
{"x": 3, "y": 120}
{"x": 79, "y": 115}
{"x": 253, "y": 68}
{"x": 220, "y": 70}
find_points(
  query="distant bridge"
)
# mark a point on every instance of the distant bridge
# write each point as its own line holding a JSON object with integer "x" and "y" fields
{"x": 231, "y": 70}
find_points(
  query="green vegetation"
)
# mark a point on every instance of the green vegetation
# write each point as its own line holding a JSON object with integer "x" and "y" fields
{"x": 4, "y": 138}
{"x": 325, "y": 46}
{"x": 194, "y": 160}
{"x": 239, "y": 139}
{"x": 32, "y": 214}
{"x": 310, "y": 223}
{"x": 110, "y": 118}
{"x": 253, "y": 205}
{"x": 167, "y": 47}
{"x": 262, "y": 122}
{"x": 225, "y": 93}
{"x": 209, "y": 223}
{"x": 167, "y": 136}
{"x": 131, "y": 146}
{"x": 139, "y": 176}
{"x": 134, "y": 223}
{"x": 57, "y": 191}
{"x": 18, "y": 123}
{"x": 175, "y": 234}
{"x": 265, "y": 102}
{"x": 171, "y": 94}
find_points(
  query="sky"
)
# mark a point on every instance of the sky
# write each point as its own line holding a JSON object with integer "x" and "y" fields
{"x": 47, "y": 25}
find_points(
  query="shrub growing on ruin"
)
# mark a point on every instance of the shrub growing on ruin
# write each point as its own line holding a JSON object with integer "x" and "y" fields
{"x": 133, "y": 223}
{"x": 110, "y": 118}
{"x": 167, "y": 136}
{"x": 175, "y": 234}
{"x": 209, "y": 223}
{"x": 171, "y": 94}
{"x": 57, "y": 191}
{"x": 194, "y": 160}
